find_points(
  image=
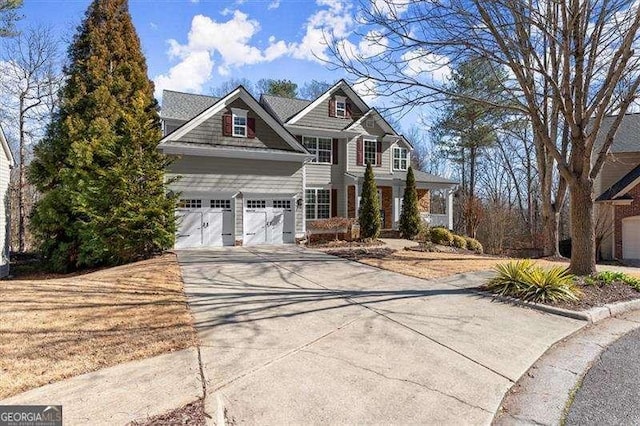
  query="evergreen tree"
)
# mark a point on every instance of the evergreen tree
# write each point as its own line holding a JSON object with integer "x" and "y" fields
{"x": 410, "y": 220}
{"x": 369, "y": 216}
{"x": 284, "y": 88}
{"x": 101, "y": 177}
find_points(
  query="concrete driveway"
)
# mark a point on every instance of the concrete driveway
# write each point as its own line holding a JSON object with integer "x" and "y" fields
{"x": 290, "y": 335}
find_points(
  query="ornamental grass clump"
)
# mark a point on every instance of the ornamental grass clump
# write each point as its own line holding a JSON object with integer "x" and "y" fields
{"x": 459, "y": 242}
{"x": 441, "y": 236}
{"x": 524, "y": 280}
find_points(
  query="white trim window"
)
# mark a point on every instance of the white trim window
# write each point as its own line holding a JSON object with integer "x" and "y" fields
{"x": 370, "y": 151}
{"x": 239, "y": 122}
{"x": 322, "y": 148}
{"x": 318, "y": 202}
{"x": 341, "y": 106}
{"x": 400, "y": 158}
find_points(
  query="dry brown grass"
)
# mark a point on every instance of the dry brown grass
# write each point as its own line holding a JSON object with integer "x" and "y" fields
{"x": 56, "y": 328}
{"x": 429, "y": 265}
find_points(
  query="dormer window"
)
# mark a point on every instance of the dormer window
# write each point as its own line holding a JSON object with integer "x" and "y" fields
{"x": 239, "y": 122}
{"x": 341, "y": 107}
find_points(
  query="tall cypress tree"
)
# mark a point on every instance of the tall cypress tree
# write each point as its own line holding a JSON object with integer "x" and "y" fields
{"x": 410, "y": 220}
{"x": 369, "y": 216}
{"x": 102, "y": 179}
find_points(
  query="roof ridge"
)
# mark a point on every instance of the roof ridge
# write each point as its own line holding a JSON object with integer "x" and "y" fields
{"x": 286, "y": 97}
{"x": 191, "y": 94}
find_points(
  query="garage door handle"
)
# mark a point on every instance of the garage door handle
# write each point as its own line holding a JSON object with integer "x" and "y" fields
{"x": 226, "y": 234}
{"x": 251, "y": 233}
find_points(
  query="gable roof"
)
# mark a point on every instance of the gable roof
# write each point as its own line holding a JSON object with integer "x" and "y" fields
{"x": 283, "y": 108}
{"x": 6, "y": 149}
{"x": 239, "y": 93}
{"x": 184, "y": 106}
{"x": 627, "y": 137}
{"x": 351, "y": 94}
{"x": 618, "y": 190}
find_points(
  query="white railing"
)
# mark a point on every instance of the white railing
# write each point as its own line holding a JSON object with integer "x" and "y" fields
{"x": 436, "y": 219}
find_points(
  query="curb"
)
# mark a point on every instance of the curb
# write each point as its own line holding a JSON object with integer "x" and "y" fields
{"x": 592, "y": 315}
{"x": 543, "y": 395}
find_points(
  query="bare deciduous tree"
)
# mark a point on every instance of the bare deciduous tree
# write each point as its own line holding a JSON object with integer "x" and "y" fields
{"x": 29, "y": 82}
{"x": 571, "y": 63}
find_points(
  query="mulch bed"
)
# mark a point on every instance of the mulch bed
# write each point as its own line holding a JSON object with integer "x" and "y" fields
{"x": 346, "y": 244}
{"x": 600, "y": 295}
{"x": 191, "y": 414}
{"x": 362, "y": 253}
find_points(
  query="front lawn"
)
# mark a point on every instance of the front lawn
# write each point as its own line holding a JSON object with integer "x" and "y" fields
{"x": 51, "y": 329}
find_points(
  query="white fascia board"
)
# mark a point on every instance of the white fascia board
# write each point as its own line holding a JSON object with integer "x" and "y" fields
{"x": 627, "y": 188}
{"x": 317, "y": 131}
{"x": 217, "y": 151}
{"x": 351, "y": 94}
{"x": 241, "y": 93}
{"x": 6, "y": 149}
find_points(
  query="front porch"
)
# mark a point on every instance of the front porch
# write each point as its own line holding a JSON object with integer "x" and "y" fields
{"x": 435, "y": 202}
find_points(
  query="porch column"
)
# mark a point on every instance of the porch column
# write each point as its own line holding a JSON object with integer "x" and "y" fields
{"x": 450, "y": 208}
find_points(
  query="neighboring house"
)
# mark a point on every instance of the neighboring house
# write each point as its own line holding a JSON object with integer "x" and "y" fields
{"x": 6, "y": 164}
{"x": 618, "y": 192}
{"x": 254, "y": 172}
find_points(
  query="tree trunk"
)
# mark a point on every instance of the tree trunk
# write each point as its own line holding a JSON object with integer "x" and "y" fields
{"x": 21, "y": 181}
{"x": 550, "y": 229}
{"x": 583, "y": 240}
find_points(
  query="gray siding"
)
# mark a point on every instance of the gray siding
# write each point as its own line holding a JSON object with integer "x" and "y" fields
{"x": 387, "y": 154}
{"x": 210, "y": 175}
{"x": 5, "y": 171}
{"x": 319, "y": 116}
{"x": 210, "y": 132}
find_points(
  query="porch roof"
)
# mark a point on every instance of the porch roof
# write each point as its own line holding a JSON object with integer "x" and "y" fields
{"x": 421, "y": 177}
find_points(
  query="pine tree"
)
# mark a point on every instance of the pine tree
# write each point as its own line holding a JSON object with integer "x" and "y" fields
{"x": 369, "y": 216}
{"x": 410, "y": 220}
{"x": 102, "y": 179}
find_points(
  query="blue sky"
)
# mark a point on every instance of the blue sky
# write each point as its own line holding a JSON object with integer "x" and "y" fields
{"x": 195, "y": 45}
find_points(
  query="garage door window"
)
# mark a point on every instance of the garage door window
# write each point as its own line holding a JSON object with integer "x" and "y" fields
{"x": 256, "y": 204}
{"x": 220, "y": 204}
{"x": 190, "y": 204}
{"x": 318, "y": 203}
{"x": 282, "y": 204}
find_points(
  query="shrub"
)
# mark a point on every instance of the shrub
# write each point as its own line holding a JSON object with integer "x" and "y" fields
{"x": 609, "y": 277}
{"x": 441, "y": 236}
{"x": 474, "y": 245}
{"x": 524, "y": 280}
{"x": 511, "y": 277}
{"x": 410, "y": 220}
{"x": 459, "y": 242}
{"x": 424, "y": 236}
{"x": 369, "y": 216}
{"x": 334, "y": 225}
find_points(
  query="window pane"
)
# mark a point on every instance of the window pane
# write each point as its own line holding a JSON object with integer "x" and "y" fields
{"x": 240, "y": 121}
{"x": 323, "y": 196}
{"x": 323, "y": 211}
{"x": 324, "y": 156}
{"x": 324, "y": 143}
{"x": 370, "y": 152}
{"x": 310, "y": 196}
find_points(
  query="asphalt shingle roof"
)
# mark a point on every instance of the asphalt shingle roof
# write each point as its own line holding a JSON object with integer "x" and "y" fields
{"x": 284, "y": 108}
{"x": 184, "y": 106}
{"x": 626, "y": 180}
{"x": 627, "y": 138}
{"x": 420, "y": 177}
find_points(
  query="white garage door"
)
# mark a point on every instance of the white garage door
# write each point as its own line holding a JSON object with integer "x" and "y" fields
{"x": 631, "y": 237}
{"x": 204, "y": 223}
{"x": 269, "y": 221}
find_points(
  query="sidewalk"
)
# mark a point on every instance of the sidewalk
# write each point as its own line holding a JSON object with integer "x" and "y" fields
{"x": 120, "y": 394}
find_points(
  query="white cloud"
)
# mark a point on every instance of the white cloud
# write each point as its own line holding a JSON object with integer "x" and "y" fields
{"x": 390, "y": 8}
{"x": 420, "y": 63}
{"x": 372, "y": 44}
{"x": 208, "y": 39}
{"x": 189, "y": 75}
{"x": 366, "y": 88}
{"x": 333, "y": 21}
{"x": 273, "y": 5}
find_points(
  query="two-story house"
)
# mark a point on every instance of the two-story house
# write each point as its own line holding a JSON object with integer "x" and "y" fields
{"x": 254, "y": 172}
{"x": 618, "y": 191}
